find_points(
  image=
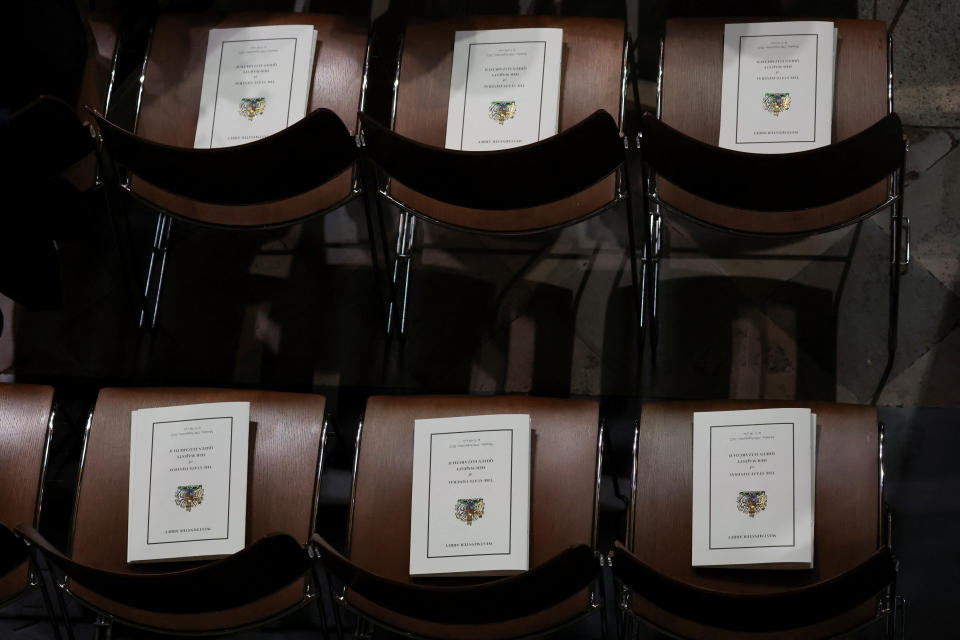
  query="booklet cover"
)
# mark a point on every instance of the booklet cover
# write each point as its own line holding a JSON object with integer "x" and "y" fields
{"x": 504, "y": 88}
{"x": 753, "y": 488}
{"x": 188, "y": 481}
{"x": 777, "y": 92}
{"x": 256, "y": 82}
{"x": 470, "y": 512}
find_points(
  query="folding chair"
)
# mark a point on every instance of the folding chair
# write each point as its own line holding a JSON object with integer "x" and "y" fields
{"x": 265, "y": 581}
{"x": 546, "y": 185}
{"x": 815, "y": 191}
{"x": 562, "y": 584}
{"x": 853, "y": 579}
{"x": 280, "y": 180}
{"x": 26, "y": 427}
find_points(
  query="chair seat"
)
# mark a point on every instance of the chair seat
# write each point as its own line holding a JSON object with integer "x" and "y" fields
{"x": 563, "y": 430}
{"x": 285, "y": 433}
{"x": 846, "y": 518}
{"x": 589, "y": 44}
{"x": 692, "y": 66}
{"x": 170, "y": 104}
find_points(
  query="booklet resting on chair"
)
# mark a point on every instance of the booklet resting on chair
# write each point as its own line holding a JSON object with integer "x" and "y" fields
{"x": 753, "y": 488}
{"x": 188, "y": 481}
{"x": 470, "y": 509}
{"x": 256, "y": 82}
{"x": 504, "y": 88}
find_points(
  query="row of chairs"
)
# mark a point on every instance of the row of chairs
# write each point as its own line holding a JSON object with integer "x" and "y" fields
{"x": 314, "y": 166}
{"x": 286, "y": 564}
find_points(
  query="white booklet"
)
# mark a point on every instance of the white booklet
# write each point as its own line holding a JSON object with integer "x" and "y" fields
{"x": 188, "y": 481}
{"x": 777, "y": 92}
{"x": 256, "y": 82}
{"x": 753, "y": 488}
{"x": 504, "y": 88}
{"x": 470, "y": 512}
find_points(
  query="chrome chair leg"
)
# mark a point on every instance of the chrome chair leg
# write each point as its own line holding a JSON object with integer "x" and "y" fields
{"x": 155, "y": 272}
{"x": 103, "y": 628}
{"x": 47, "y": 602}
{"x": 401, "y": 273}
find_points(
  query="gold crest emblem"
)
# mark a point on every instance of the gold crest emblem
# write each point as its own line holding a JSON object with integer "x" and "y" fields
{"x": 189, "y": 497}
{"x": 469, "y": 509}
{"x": 751, "y": 502}
{"x": 776, "y": 103}
{"x": 250, "y": 108}
{"x": 502, "y": 111}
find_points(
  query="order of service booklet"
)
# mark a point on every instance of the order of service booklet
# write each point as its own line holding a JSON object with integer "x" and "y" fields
{"x": 470, "y": 508}
{"x": 504, "y": 88}
{"x": 777, "y": 92}
{"x": 256, "y": 82}
{"x": 188, "y": 481}
{"x": 753, "y": 488}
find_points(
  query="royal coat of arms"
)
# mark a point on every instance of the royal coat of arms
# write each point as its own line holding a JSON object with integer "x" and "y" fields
{"x": 469, "y": 509}
{"x": 189, "y": 497}
{"x": 776, "y": 103}
{"x": 250, "y": 108}
{"x": 751, "y": 502}
{"x": 502, "y": 111}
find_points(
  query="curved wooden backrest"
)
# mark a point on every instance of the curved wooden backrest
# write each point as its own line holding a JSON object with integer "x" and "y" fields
{"x": 846, "y": 516}
{"x": 24, "y": 424}
{"x": 285, "y": 439}
{"x": 562, "y": 489}
{"x": 692, "y": 73}
{"x": 538, "y": 173}
{"x": 557, "y": 579}
{"x": 171, "y": 104}
{"x": 807, "y": 179}
{"x": 775, "y": 611}
{"x": 258, "y": 571}
{"x": 302, "y": 157}
{"x": 45, "y": 138}
{"x": 590, "y": 80}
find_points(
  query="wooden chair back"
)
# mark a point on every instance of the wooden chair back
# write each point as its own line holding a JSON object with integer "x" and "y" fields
{"x": 25, "y": 411}
{"x": 286, "y": 431}
{"x": 170, "y": 104}
{"x": 846, "y": 519}
{"x": 591, "y": 79}
{"x": 690, "y": 103}
{"x": 563, "y": 494}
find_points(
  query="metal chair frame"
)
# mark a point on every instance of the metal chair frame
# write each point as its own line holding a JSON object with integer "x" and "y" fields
{"x": 156, "y": 267}
{"x": 104, "y": 620}
{"x": 403, "y": 252}
{"x": 899, "y": 231}
{"x": 366, "y": 625}
{"x": 890, "y": 604}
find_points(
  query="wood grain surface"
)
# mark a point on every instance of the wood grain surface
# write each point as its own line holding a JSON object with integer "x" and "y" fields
{"x": 692, "y": 84}
{"x": 846, "y": 513}
{"x": 590, "y": 80}
{"x": 24, "y": 416}
{"x": 286, "y": 430}
{"x": 171, "y": 103}
{"x": 561, "y": 496}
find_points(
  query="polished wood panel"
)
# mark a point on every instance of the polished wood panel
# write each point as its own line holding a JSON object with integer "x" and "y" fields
{"x": 24, "y": 416}
{"x": 171, "y": 103}
{"x": 589, "y": 80}
{"x": 285, "y": 428}
{"x": 562, "y": 496}
{"x": 692, "y": 84}
{"x": 846, "y": 514}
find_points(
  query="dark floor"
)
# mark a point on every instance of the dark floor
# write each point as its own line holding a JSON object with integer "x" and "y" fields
{"x": 296, "y": 309}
